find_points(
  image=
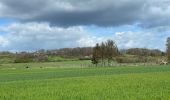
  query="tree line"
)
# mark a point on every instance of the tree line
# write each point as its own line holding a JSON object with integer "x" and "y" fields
{"x": 103, "y": 53}
{"x": 168, "y": 49}
{"x": 145, "y": 52}
{"x": 106, "y": 52}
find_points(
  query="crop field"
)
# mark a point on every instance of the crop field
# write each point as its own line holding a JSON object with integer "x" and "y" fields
{"x": 111, "y": 83}
{"x": 62, "y": 64}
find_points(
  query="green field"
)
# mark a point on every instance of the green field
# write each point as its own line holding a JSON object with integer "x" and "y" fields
{"x": 62, "y": 64}
{"x": 111, "y": 83}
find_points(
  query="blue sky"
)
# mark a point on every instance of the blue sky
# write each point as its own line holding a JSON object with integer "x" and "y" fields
{"x": 36, "y": 24}
{"x": 111, "y": 30}
{"x": 6, "y": 21}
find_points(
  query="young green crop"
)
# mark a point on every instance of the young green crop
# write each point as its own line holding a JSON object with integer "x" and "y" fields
{"x": 118, "y": 83}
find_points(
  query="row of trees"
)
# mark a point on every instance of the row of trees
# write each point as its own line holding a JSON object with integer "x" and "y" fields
{"x": 168, "y": 48}
{"x": 71, "y": 52}
{"x": 104, "y": 52}
{"x": 42, "y": 55}
{"x": 25, "y": 57}
{"x": 145, "y": 52}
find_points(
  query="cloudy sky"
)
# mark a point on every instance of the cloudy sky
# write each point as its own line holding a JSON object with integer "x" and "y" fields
{"x": 50, "y": 24}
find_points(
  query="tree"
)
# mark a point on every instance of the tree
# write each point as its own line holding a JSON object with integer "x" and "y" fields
{"x": 96, "y": 54}
{"x": 105, "y": 51}
{"x": 111, "y": 50}
{"x": 168, "y": 49}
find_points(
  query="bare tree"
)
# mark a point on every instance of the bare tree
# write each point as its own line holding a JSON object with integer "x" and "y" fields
{"x": 96, "y": 54}
{"x": 104, "y": 51}
{"x": 111, "y": 50}
{"x": 168, "y": 49}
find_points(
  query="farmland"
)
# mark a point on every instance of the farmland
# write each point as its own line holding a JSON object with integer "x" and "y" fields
{"x": 98, "y": 83}
{"x": 84, "y": 50}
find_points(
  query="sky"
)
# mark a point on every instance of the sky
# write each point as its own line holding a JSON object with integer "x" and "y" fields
{"x": 28, "y": 25}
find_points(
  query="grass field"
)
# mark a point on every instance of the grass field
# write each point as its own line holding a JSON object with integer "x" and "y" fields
{"x": 112, "y": 83}
{"x": 62, "y": 64}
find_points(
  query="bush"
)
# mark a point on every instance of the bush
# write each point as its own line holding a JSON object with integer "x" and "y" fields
{"x": 24, "y": 58}
{"x": 136, "y": 59}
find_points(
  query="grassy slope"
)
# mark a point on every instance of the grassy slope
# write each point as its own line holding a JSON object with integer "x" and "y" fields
{"x": 122, "y": 83}
{"x": 67, "y": 64}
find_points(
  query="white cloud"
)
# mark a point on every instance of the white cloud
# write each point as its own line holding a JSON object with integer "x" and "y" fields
{"x": 33, "y": 36}
{"x": 3, "y": 42}
{"x": 140, "y": 40}
{"x": 1, "y": 9}
{"x": 91, "y": 41}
